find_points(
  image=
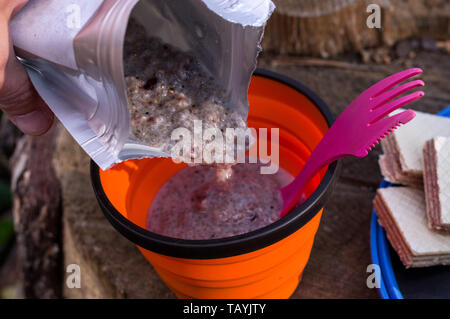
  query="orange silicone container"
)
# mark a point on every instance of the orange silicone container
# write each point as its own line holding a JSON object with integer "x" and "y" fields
{"x": 266, "y": 263}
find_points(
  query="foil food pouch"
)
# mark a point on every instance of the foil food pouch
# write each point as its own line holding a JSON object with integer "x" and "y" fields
{"x": 73, "y": 51}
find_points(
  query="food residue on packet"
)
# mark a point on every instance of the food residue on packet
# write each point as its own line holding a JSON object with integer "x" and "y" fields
{"x": 168, "y": 89}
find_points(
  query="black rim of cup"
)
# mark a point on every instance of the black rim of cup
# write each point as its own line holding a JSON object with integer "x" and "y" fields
{"x": 236, "y": 245}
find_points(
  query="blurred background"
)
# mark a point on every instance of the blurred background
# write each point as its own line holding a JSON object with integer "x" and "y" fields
{"x": 9, "y": 266}
{"x": 337, "y": 48}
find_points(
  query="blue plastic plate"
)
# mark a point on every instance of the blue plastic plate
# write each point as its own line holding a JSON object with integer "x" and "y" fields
{"x": 396, "y": 281}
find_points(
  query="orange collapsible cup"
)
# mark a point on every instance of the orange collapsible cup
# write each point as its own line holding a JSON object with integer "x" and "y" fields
{"x": 265, "y": 263}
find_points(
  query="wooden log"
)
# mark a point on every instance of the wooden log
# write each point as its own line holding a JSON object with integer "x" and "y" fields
{"x": 327, "y": 28}
{"x": 37, "y": 218}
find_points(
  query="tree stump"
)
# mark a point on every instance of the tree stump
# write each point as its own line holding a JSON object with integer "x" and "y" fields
{"x": 328, "y": 27}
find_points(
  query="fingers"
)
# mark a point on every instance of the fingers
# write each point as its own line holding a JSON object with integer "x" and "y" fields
{"x": 9, "y": 8}
{"x": 18, "y": 98}
{"x": 391, "y": 94}
{"x": 17, "y": 5}
{"x": 391, "y": 81}
{"x": 388, "y": 108}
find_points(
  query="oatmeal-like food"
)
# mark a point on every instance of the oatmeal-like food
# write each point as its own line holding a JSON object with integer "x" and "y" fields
{"x": 193, "y": 204}
{"x": 168, "y": 89}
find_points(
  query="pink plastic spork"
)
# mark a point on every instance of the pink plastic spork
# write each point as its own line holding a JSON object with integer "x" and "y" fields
{"x": 356, "y": 131}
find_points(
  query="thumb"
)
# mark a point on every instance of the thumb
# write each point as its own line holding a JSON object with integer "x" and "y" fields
{"x": 18, "y": 98}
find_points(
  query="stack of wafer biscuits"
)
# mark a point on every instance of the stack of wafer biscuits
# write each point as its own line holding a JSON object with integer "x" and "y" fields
{"x": 416, "y": 216}
{"x": 401, "y": 211}
{"x": 401, "y": 162}
{"x": 436, "y": 177}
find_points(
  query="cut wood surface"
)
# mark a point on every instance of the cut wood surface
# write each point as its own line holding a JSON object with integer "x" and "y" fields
{"x": 326, "y": 28}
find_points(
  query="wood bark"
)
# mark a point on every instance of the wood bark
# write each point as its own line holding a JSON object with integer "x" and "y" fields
{"x": 327, "y": 28}
{"x": 9, "y": 135}
{"x": 37, "y": 218}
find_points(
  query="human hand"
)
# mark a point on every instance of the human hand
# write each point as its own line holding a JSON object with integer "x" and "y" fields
{"x": 18, "y": 98}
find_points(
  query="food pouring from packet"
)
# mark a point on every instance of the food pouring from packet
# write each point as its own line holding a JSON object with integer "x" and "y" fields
{"x": 124, "y": 75}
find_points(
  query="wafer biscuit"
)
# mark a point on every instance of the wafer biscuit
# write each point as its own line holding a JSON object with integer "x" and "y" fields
{"x": 401, "y": 211}
{"x": 436, "y": 174}
{"x": 402, "y": 159}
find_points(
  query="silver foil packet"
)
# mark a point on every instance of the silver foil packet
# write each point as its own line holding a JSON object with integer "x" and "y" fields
{"x": 73, "y": 52}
